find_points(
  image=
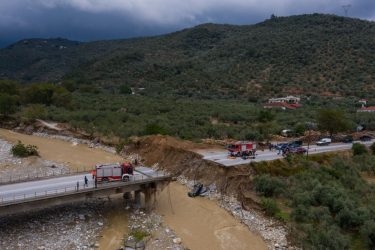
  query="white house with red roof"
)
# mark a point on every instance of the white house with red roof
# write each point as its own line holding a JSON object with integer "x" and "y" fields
{"x": 369, "y": 109}
{"x": 289, "y": 102}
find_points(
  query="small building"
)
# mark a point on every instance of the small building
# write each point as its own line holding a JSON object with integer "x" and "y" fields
{"x": 363, "y": 102}
{"x": 289, "y": 102}
{"x": 289, "y": 99}
{"x": 370, "y": 109}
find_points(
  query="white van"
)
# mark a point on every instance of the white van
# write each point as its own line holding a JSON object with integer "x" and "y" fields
{"x": 324, "y": 142}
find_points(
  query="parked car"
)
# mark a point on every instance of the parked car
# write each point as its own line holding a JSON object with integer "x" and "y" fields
{"x": 347, "y": 139}
{"x": 291, "y": 144}
{"x": 365, "y": 138}
{"x": 324, "y": 142}
{"x": 296, "y": 150}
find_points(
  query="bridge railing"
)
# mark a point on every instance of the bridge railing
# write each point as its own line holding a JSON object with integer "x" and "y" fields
{"x": 29, "y": 176}
{"x": 71, "y": 189}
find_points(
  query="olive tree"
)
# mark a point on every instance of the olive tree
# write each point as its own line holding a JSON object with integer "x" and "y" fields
{"x": 332, "y": 121}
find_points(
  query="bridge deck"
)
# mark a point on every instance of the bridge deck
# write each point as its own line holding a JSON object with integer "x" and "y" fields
{"x": 24, "y": 192}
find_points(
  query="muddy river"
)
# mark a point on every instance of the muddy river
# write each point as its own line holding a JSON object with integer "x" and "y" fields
{"x": 198, "y": 221}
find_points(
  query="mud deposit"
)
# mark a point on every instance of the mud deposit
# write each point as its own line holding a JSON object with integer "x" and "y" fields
{"x": 76, "y": 156}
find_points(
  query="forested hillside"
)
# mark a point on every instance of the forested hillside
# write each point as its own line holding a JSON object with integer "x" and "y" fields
{"x": 302, "y": 55}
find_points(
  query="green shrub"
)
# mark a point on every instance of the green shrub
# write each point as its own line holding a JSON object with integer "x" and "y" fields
{"x": 22, "y": 150}
{"x": 269, "y": 206}
{"x": 119, "y": 147}
{"x": 268, "y": 186}
{"x": 154, "y": 129}
{"x": 359, "y": 149}
{"x": 372, "y": 147}
{"x": 125, "y": 89}
{"x": 33, "y": 111}
{"x": 325, "y": 237}
{"x": 8, "y": 104}
{"x": 139, "y": 234}
{"x": 368, "y": 232}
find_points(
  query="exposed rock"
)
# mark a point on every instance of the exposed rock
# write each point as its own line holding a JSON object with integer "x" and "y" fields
{"x": 177, "y": 240}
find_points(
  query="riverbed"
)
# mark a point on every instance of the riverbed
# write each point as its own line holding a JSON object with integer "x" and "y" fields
{"x": 200, "y": 222}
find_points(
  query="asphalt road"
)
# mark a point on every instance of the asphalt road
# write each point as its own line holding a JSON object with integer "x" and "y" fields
{"x": 56, "y": 185}
{"x": 221, "y": 156}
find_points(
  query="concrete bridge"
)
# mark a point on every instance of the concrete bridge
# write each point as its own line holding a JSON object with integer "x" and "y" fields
{"x": 23, "y": 197}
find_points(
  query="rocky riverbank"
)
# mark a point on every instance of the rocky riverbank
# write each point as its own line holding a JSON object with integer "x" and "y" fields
{"x": 272, "y": 231}
{"x": 149, "y": 230}
{"x": 68, "y": 227}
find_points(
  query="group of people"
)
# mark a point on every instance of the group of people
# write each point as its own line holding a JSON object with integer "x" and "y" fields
{"x": 85, "y": 181}
{"x": 281, "y": 151}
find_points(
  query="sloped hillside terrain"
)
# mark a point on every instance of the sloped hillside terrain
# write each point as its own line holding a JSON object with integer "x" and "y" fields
{"x": 306, "y": 54}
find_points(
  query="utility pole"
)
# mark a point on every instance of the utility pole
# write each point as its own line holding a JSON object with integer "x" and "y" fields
{"x": 346, "y": 9}
{"x": 308, "y": 125}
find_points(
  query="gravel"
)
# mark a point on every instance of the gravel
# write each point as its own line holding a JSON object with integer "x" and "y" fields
{"x": 69, "y": 227}
{"x": 159, "y": 235}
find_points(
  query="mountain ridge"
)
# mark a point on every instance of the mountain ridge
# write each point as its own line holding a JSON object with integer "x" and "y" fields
{"x": 303, "y": 54}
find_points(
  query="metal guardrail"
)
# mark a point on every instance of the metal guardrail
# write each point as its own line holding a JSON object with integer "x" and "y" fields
{"x": 65, "y": 191}
{"x": 38, "y": 176}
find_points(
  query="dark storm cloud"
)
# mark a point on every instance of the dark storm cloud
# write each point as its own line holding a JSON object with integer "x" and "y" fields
{"x": 107, "y": 19}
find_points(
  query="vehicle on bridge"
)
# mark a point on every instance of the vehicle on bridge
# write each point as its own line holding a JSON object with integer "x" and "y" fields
{"x": 242, "y": 149}
{"x": 113, "y": 172}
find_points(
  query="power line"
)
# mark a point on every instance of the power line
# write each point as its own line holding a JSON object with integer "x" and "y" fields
{"x": 346, "y": 8}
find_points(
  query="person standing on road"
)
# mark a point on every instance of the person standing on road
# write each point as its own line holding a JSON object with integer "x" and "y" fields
{"x": 86, "y": 181}
{"x": 77, "y": 186}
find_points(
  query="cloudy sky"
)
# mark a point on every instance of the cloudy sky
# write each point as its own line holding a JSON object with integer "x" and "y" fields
{"x": 87, "y": 20}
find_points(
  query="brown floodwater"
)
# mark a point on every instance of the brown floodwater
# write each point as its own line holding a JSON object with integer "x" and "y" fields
{"x": 202, "y": 224}
{"x": 113, "y": 233}
{"x": 198, "y": 221}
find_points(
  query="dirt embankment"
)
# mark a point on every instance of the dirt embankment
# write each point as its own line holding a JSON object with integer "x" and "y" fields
{"x": 181, "y": 158}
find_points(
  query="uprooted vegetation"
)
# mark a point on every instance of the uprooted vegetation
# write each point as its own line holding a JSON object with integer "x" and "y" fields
{"x": 324, "y": 199}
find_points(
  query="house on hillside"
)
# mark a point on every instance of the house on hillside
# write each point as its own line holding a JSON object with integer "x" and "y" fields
{"x": 364, "y": 107}
{"x": 363, "y": 102}
{"x": 370, "y": 109}
{"x": 289, "y": 102}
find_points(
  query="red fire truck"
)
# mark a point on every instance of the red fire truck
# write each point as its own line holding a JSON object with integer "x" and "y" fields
{"x": 113, "y": 172}
{"x": 242, "y": 149}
